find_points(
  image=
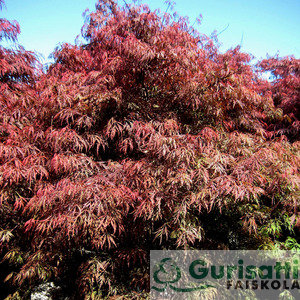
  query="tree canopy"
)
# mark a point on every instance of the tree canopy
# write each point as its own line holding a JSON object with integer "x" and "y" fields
{"x": 144, "y": 137}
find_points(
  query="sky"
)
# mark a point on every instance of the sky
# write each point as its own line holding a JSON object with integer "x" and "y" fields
{"x": 261, "y": 26}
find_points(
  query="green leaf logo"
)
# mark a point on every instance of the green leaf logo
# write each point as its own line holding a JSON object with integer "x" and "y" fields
{"x": 168, "y": 272}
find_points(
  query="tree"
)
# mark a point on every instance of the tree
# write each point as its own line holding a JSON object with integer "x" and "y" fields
{"x": 145, "y": 137}
{"x": 284, "y": 89}
{"x": 18, "y": 71}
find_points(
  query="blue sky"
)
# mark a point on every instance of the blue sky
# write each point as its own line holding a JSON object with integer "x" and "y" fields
{"x": 263, "y": 26}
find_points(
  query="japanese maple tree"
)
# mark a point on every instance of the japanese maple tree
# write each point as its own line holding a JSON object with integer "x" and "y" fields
{"x": 285, "y": 91}
{"x": 143, "y": 137}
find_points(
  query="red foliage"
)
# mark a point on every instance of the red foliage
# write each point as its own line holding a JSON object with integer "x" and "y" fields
{"x": 146, "y": 137}
{"x": 285, "y": 91}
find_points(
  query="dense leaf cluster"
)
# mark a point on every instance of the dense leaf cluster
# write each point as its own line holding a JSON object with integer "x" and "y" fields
{"x": 145, "y": 137}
